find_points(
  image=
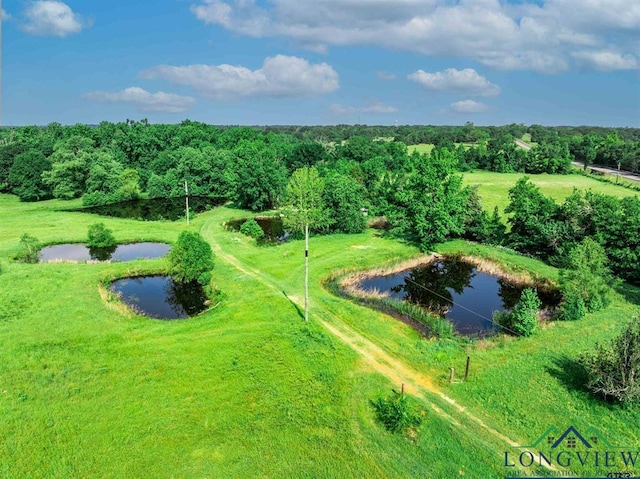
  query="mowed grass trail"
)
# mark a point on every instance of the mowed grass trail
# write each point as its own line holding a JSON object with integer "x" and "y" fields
{"x": 248, "y": 389}
{"x": 245, "y": 390}
{"x": 519, "y": 387}
{"x": 493, "y": 188}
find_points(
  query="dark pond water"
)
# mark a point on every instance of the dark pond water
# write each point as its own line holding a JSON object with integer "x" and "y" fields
{"x": 159, "y": 297}
{"x": 124, "y": 252}
{"x": 155, "y": 209}
{"x": 272, "y": 227}
{"x": 457, "y": 291}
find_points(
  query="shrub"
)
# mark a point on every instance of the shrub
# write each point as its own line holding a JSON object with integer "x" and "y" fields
{"x": 614, "y": 372}
{"x": 523, "y": 319}
{"x": 572, "y": 308}
{"x": 191, "y": 259}
{"x": 587, "y": 276}
{"x": 252, "y": 228}
{"x": 29, "y": 249}
{"x": 396, "y": 413}
{"x": 100, "y": 236}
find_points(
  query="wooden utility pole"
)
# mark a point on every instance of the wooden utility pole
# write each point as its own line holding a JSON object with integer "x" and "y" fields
{"x": 186, "y": 196}
{"x": 466, "y": 369}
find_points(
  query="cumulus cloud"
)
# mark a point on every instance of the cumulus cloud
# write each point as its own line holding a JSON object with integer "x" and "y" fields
{"x": 466, "y": 81}
{"x": 376, "y": 107}
{"x": 468, "y": 106}
{"x": 145, "y": 101}
{"x": 52, "y": 18}
{"x": 607, "y": 60}
{"x": 382, "y": 75}
{"x": 527, "y": 35}
{"x": 280, "y": 76}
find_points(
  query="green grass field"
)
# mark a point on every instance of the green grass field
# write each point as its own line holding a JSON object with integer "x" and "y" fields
{"x": 249, "y": 390}
{"x": 493, "y": 188}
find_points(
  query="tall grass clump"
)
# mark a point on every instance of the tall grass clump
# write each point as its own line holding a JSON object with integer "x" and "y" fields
{"x": 28, "y": 251}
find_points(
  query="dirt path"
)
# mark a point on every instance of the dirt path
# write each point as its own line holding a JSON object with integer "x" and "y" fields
{"x": 394, "y": 369}
{"x": 522, "y": 144}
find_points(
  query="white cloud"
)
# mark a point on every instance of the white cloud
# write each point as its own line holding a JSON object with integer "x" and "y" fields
{"x": 467, "y": 81}
{"x": 4, "y": 16}
{"x": 52, "y": 18}
{"x": 468, "y": 106}
{"x": 376, "y": 107}
{"x": 280, "y": 76}
{"x": 382, "y": 75}
{"x": 607, "y": 60}
{"x": 528, "y": 35}
{"x": 145, "y": 101}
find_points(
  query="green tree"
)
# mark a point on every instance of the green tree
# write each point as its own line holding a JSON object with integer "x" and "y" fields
{"x": 613, "y": 372}
{"x": 252, "y": 229}
{"x": 587, "y": 278}
{"x": 534, "y": 228}
{"x": 429, "y": 205}
{"x": 260, "y": 177}
{"x": 191, "y": 259}
{"x": 344, "y": 198}
{"x": 25, "y": 176}
{"x": 99, "y": 236}
{"x": 523, "y": 318}
{"x": 305, "y": 208}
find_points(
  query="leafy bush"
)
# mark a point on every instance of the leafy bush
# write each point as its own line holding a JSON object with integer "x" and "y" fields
{"x": 572, "y": 308}
{"x": 587, "y": 276}
{"x": 191, "y": 259}
{"x": 29, "y": 249}
{"x": 252, "y": 228}
{"x": 397, "y": 413}
{"x": 99, "y": 236}
{"x": 523, "y": 319}
{"x": 614, "y": 372}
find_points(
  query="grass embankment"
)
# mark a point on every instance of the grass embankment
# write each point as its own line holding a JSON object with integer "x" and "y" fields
{"x": 247, "y": 390}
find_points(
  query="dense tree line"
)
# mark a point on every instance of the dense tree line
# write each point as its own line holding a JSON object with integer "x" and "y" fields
{"x": 364, "y": 169}
{"x": 550, "y": 231}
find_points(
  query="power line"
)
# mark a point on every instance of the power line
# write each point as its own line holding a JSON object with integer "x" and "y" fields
{"x": 461, "y": 306}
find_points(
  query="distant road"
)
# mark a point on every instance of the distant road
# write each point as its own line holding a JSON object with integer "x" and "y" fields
{"x": 522, "y": 145}
{"x": 601, "y": 169}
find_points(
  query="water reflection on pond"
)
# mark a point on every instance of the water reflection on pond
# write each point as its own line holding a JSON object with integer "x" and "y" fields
{"x": 272, "y": 227}
{"x": 125, "y": 252}
{"x": 160, "y": 297}
{"x": 155, "y": 209}
{"x": 457, "y": 291}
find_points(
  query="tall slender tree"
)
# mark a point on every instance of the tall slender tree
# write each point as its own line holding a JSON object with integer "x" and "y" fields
{"x": 305, "y": 208}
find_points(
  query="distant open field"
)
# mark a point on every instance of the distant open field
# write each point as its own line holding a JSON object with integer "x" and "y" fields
{"x": 494, "y": 187}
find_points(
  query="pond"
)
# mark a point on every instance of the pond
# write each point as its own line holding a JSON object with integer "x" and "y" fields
{"x": 155, "y": 209}
{"x": 457, "y": 291}
{"x": 160, "y": 297}
{"x": 124, "y": 252}
{"x": 272, "y": 226}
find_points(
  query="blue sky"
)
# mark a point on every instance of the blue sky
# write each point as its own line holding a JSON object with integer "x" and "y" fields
{"x": 553, "y": 62}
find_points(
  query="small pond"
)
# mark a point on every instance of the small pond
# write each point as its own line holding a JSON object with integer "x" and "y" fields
{"x": 457, "y": 291}
{"x": 124, "y": 252}
{"x": 159, "y": 297}
{"x": 272, "y": 227}
{"x": 155, "y": 209}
